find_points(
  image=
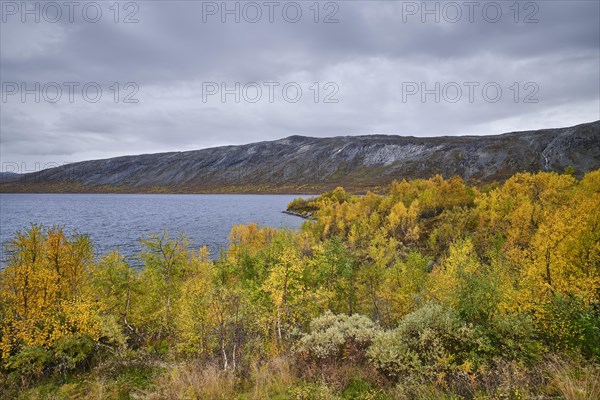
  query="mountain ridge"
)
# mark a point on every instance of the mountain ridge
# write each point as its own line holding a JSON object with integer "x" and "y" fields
{"x": 303, "y": 164}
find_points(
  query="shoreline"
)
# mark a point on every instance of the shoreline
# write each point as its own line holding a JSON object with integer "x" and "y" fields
{"x": 295, "y": 214}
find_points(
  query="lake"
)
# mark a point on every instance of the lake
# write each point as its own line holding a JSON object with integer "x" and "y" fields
{"x": 121, "y": 220}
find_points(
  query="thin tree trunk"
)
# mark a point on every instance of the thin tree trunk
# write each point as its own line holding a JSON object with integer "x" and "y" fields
{"x": 225, "y": 363}
{"x": 279, "y": 325}
{"x": 233, "y": 356}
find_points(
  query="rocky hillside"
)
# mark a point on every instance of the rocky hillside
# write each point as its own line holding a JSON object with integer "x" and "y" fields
{"x": 309, "y": 165}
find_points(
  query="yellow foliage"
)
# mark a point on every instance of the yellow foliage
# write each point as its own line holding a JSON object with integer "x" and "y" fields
{"x": 44, "y": 290}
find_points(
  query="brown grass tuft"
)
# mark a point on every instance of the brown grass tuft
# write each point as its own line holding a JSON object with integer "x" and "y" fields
{"x": 574, "y": 380}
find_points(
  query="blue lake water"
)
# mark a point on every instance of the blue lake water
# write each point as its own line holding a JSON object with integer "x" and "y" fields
{"x": 121, "y": 220}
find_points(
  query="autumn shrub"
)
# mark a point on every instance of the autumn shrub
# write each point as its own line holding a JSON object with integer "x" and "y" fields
{"x": 303, "y": 206}
{"x": 428, "y": 343}
{"x": 337, "y": 337}
{"x": 45, "y": 290}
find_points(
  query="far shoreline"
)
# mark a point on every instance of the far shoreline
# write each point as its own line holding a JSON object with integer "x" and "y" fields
{"x": 182, "y": 193}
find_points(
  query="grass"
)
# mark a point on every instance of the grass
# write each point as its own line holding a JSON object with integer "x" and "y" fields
{"x": 574, "y": 380}
{"x": 280, "y": 379}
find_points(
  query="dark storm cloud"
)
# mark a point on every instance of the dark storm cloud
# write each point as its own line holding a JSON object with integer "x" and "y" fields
{"x": 370, "y": 55}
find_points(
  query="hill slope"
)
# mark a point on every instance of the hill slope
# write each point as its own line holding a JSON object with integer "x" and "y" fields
{"x": 305, "y": 164}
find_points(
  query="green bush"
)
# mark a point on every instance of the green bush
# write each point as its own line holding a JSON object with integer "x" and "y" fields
{"x": 338, "y": 337}
{"x": 67, "y": 354}
{"x": 509, "y": 337}
{"x": 311, "y": 391}
{"x": 30, "y": 362}
{"x": 428, "y": 343}
{"x": 361, "y": 390}
{"x": 72, "y": 352}
{"x": 570, "y": 324}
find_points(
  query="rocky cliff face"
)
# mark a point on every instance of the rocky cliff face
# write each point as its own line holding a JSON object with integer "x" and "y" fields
{"x": 305, "y": 164}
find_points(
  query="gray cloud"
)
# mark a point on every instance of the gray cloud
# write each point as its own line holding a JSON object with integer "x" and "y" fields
{"x": 368, "y": 55}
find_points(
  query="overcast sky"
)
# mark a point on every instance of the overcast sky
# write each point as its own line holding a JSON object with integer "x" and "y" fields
{"x": 338, "y": 68}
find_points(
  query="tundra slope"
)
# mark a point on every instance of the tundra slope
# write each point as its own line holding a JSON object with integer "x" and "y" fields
{"x": 300, "y": 164}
